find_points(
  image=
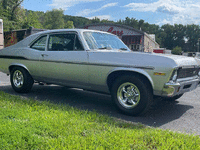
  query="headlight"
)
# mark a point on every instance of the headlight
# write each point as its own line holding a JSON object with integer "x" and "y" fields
{"x": 199, "y": 72}
{"x": 174, "y": 76}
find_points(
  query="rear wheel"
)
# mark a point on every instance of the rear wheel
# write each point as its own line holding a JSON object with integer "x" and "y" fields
{"x": 131, "y": 95}
{"x": 21, "y": 80}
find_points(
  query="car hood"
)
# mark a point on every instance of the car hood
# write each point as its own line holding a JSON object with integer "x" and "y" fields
{"x": 141, "y": 59}
{"x": 179, "y": 59}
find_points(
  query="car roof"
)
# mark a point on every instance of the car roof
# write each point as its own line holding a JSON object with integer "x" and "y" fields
{"x": 25, "y": 42}
{"x": 68, "y": 30}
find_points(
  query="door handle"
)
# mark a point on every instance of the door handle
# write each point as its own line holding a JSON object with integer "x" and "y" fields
{"x": 44, "y": 55}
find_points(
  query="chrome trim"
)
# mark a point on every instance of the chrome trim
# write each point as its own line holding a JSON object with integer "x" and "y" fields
{"x": 18, "y": 79}
{"x": 128, "y": 95}
{"x": 83, "y": 63}
{"x": 171, "y": 89}
{"x": 187, "y": 79}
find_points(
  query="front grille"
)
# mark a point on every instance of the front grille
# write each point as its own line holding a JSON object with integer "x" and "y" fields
{"x": 187, "y": 72}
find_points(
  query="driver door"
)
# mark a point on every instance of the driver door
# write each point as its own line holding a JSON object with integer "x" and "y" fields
{"x": 65, "y": 60}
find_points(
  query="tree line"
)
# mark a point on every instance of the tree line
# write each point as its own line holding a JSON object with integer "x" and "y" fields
{"x": 168, "y": 36}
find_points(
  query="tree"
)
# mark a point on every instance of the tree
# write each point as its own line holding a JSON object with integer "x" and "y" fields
{"x": 160, "y": 38}
{"x": 12, "y": 14}
{"x": 10, "y": 7}
{"x": 69, "y": 25}
{"x": 132, "y": 22}
{"x": 127, "y": 21}
{"x": 77, "y": 21}
{"x": 41, "y": 17}
{"x": 32, "y": 20}
{"x": 168, "y": 41}
{"x": 1, "y": 9}
{"x": 177, "y": 51}
{"x": 179, "y": 34}
{"x": 95, "y": 20}
{"x": 192, "y": 35}
{"x": 54, "y": 19}
{"x": 140, "y": 24}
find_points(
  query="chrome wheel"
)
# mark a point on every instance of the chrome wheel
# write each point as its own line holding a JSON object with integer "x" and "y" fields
{"x": 18, "y": 79}
{"x": 128, "y": 95}
{"x": 21, "y": 80}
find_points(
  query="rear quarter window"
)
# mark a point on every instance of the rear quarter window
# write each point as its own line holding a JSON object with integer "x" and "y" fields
{"x": 40, "y": 44}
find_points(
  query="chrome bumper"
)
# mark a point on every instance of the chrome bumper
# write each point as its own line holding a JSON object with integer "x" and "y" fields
{"x": 173, "y": 89}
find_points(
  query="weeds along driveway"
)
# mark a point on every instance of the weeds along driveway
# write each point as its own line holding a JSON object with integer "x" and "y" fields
{"x": 182, "y": 115}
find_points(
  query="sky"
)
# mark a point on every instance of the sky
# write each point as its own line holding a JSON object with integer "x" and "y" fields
{"x": 152, "y": 11}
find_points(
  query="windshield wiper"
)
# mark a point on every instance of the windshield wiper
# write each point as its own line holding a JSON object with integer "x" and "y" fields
{"x": 123, "y": 48}
{"x": 102, "y": 48}
{"x": 108, "y": 48}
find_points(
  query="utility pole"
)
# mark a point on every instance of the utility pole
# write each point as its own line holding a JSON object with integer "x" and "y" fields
{"x": 1, "y": 34}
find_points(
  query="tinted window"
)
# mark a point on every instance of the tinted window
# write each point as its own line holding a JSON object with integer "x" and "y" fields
{"x": 64, "y": 42}
{"x": 40, "y": 43}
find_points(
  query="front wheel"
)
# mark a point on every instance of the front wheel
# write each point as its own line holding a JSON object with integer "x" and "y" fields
{"x": 21, "y": 80}
{"x": 131, "y": 94}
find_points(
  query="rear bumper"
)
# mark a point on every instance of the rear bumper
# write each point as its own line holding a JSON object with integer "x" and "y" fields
{"x": 173, "y": 89}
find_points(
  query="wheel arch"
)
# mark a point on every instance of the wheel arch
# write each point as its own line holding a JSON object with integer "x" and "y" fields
{"x": 20, "y": 78}
{"x": 121, "y": 72}
{"x": 18, "y": 65}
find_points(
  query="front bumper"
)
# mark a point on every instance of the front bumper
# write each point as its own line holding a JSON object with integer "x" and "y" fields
{"x": 172, "y": 89}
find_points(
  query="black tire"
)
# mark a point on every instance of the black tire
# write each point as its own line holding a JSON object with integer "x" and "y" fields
{"x": 21, "y": 80}
{"x": 136, "y": 94}
{"x": 173, "y": 98}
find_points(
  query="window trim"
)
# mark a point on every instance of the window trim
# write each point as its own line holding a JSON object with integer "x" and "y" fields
{"x": 69, "y": 32}
{"x": 34, "y": 41}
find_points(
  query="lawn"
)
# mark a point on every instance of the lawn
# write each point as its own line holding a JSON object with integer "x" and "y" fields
{"x": 31, "y": 124}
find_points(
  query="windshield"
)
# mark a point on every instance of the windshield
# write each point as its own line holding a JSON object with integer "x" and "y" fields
{"x": 97, "y": 40}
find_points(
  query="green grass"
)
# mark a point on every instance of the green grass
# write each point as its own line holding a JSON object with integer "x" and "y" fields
{"x": 30, "y": 124}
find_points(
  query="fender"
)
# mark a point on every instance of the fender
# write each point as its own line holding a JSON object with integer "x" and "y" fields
{"x": 136, "y": 70}
{"x": 19, "y": 65}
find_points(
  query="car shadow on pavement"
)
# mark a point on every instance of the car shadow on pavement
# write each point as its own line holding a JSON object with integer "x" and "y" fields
{"x": 160, "y": 113}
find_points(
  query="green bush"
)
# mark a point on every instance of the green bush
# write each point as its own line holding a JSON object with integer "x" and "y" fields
{"x": 177, "y": 51}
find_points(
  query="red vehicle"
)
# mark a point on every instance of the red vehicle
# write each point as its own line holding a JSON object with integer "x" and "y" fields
{"x": 162, "y": 51}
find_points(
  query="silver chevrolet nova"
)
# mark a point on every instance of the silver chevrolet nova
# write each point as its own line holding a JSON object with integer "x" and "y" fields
{"x": 98, "y": 61}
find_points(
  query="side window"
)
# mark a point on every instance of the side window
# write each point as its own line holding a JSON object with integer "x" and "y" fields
{"x": 40, "y": 43}
{"x": 64, "y": 42}
{"x": 78, "y": 46}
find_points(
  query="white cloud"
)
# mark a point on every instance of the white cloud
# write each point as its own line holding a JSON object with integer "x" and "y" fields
{"x": 178, "y": 11}
{"x": 86, "y": 12}
{"x": 167, "y": 6}
{"x": 109, "y": 5}
{"x": 65, "y": 4}
{"x": 164, "y": 21}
